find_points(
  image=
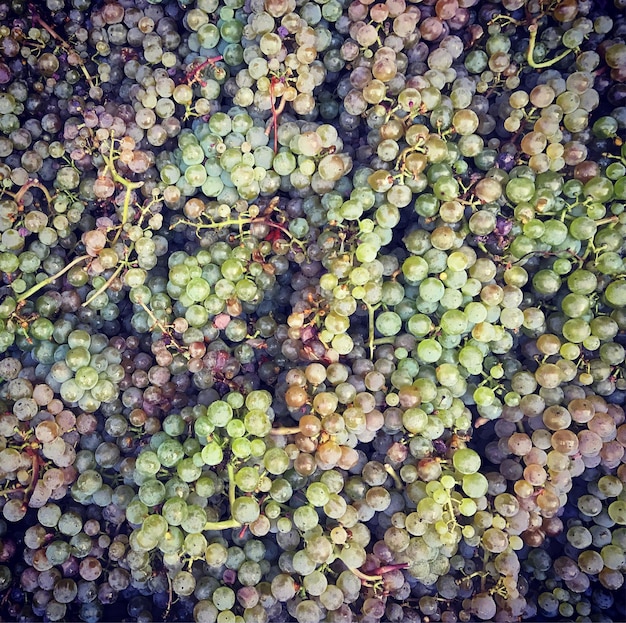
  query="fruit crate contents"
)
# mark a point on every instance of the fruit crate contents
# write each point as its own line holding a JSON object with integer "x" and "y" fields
{"x": 312, "y": 311}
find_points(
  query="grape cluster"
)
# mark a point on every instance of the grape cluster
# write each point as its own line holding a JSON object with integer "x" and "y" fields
{"x": 312, "y": 310}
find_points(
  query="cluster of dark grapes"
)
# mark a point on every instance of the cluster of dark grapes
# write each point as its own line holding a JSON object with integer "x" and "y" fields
{"x": 312, "y": 311}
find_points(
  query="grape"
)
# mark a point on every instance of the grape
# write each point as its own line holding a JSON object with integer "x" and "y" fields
{"x": 483, "y": 606}
{"x": 617, "y": 512}
{"x": 466, "y": 461}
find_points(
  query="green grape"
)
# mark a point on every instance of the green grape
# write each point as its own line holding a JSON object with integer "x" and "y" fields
{"x": 212, "y": 453}
{"x": 388, "y": 323}
{"x": 276, "y": 461}
{"x": 466, "y": 461}
{"x": 429, "y": 350}
{"x": 152, "y": 492}
{"x": 484, "y": 396}
{"x": 155, "y": 525}
{"x": 247, "y": 479}
{"x": 317, "y": 494}
{"x": 170, "y": 452}
{"x": 174, "y": 511}
{"x": 257, "y": 423}
{"x": 454, "y": 322}
{"x": 88, "y": 482}
{"x": 305, "y": 518}
{"x": 617, "y": 512}
{"x": 195, "y": 520}
{"x": 245, "y": 510}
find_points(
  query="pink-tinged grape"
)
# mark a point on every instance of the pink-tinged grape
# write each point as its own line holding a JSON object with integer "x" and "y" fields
{"x": 483, "y": 606}
{"x": 611, "y": 579}
{"x": 581, "y": 410}
{"x": 519, "y": 444}
{"x": 589, "y": 443}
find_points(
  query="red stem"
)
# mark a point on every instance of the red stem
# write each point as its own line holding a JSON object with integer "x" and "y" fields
{"x": 35, "y": 477}
{"x": 36, "y": 19}
{"x": 31, "y": 183}
{"x": 388, "y": 568}
{"x": 276, "y": 112}
{"x": 274, "y": 117}
{"x": 192, "y": 74}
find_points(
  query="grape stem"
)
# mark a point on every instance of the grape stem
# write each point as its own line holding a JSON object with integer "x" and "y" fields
{"x": 365, "y": 578}
{"x": 240, "y": 222}
{"x": 451, "y": 512}
{"x": 400, "y": 160}
{"x": 128, "y": 185}
{"x": 608, "y": 220}
{"x": 192, "y": 75}
{"x": 222, "y": 525}
{"x": 505, "y": 19}
{"x": 276, "y": 112}
{"x": 230, "y": 470}
{"x": 232, "y": 522}
{"x": 168, "y": 607}
{"x": 285, "y": 430}
{"x": 159, "y": 324}
{"x": 15, "y": 489}
{"x": 32, "y": 183}
{"x": 483, "y": 578}
{"x": 105, "y": 286}
{"x": 384, "y": 340}
{"x": 392, "y": 472}
{"x": 379, "y": 572}
{"x": 48, "y": 280}
{"x": 111, "y": 279}
{"x": 532, "y": 29}
{"x": 476, "y": 574}
{"x": 499, "y": 589}
{"x": 614, "y": 156}
{"x": 395, "y": 567}
{"x": 28, "y": 492}
{"x": 371, "y": 309}
{"x": 63, "y": 43}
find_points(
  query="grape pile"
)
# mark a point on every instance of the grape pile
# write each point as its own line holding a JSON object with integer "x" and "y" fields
{"x": 312, "y": 311}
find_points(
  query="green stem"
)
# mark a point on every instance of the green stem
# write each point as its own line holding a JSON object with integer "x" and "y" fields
{"x": 231, "y": 488}
{"x": 161, "y": 326}
{"x": 240, "y": 222}
{"x": 505, "y": 19}
{"x": 531, "y": 49}
{"x": 392, "y": 472}
{"x": 222, "y": 525}
{"x": 384, "y": 340}
{"x": 226, "y": 523}
{"x": 105, "y": 286}
{"x": 607, "y": 220}
{"x": 451, "y": 511}
{"x": 371, "y": 309}
{"x": 128, "y": 185}
{"x": 483, "y": 578}
{"x": 49, "y": 280}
